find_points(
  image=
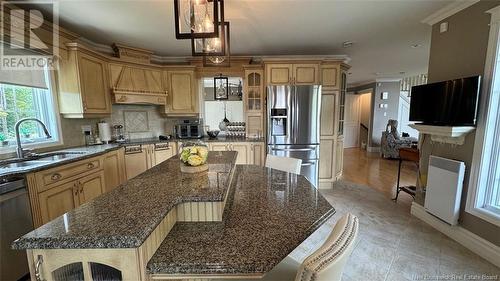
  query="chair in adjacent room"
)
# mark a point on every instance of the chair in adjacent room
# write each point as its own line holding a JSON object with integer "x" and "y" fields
{"x": 391, "y": 142}
{"x": 285, "y": 164}
{"x": 326, "y": 263}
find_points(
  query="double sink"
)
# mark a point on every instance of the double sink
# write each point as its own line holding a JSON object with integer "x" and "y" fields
{"x": 39, "y": 159}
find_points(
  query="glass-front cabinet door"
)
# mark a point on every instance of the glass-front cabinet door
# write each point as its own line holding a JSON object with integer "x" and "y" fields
{"x": 75, "y": 272}
{"x": 254, "y": 90}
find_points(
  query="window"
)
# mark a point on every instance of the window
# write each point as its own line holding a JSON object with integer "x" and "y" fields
{"x": 26, "y": 101}
{"x": 484, "y": 192}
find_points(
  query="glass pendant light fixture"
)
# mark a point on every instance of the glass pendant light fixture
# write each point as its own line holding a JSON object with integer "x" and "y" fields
{"x": 217, "y": 58}
{"x": 198, "y": 18}
{"x": 212, "y": 46}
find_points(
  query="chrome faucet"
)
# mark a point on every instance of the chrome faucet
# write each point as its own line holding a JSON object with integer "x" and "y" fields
{"x": 20, "y": 151}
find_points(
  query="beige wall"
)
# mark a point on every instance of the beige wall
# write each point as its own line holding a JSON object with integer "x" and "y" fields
{"x": 461, "y": 52}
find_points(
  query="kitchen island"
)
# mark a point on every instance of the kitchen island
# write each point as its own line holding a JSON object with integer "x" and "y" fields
{"x": 230, "y": 220}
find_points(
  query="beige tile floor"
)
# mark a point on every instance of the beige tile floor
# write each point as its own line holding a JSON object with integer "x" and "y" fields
{"x": 392, "y": 244}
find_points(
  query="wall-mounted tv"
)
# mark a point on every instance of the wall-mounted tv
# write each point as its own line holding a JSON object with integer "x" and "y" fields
{"x": 447, "y": 103}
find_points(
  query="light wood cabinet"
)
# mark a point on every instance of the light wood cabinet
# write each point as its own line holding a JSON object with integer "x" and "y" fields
{"x": 163, "y": 152}
{"x": 254, "y": 101}
{"x": 182, "y": 94}
{"x": 248, "y": 152}
{"x": 83, "y": 84}
{"x": 60, "y": 199}
{"x": 56, "y": 201}
{"x": 90, "y": 187}
{"x": 339, "y": 158}
{"x": 298, "y": 73}
{"x": 114, "y": 169}
{"x": 258, "y": 151}
{"x": 326, "y": 160}
{"x": 330, "y": 76}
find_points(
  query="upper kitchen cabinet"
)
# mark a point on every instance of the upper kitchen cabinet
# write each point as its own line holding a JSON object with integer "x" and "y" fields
{"x": 133, "y": 84}
{"x": 331, "y": 75}
{"x": 83, "y": 83}
{"x": 254, "y": 100}
{"x": 182, "y": 94}
{"x": 297, "y": 73}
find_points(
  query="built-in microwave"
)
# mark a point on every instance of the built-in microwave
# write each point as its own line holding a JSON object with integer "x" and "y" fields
{"x": 189, "y": 129}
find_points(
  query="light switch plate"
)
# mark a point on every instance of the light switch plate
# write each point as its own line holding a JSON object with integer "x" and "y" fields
{"x": 385, "y": 95}
{"x": 443, "y": 27}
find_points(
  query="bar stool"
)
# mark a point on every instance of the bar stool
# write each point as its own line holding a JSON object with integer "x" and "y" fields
{"x": 285, "y": 164}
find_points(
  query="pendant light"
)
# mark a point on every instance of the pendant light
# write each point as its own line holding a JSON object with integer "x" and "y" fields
{"x": 198, "y": 18}
{"x": 217, "y": 58}
{"x": 212, "y": 46}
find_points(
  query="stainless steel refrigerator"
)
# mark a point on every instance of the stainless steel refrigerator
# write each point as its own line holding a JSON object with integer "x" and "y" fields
{"x": 293, "y": 125}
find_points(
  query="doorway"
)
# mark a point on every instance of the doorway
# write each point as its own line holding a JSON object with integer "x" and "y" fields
{"x": 365, "y": 113}
{"x": 351, "y": 120}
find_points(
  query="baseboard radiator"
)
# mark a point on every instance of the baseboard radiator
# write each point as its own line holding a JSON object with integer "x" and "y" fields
{"x": 444, "y": 188}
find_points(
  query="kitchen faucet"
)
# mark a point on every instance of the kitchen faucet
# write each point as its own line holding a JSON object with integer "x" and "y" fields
{"x": 20, "y": 151}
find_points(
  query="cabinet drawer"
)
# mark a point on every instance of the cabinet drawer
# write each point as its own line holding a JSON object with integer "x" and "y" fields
{"x": 48, "y": 178}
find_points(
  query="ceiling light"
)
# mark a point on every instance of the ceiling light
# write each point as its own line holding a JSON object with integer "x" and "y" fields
{"x": 414, "y": 46}
{"x": 347, "y": 44}
{"x": 198, "y": 18}
{"x": 402, "y": 72}
{"x": 212, "y": 46}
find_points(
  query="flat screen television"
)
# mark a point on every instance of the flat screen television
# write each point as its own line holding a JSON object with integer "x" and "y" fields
{"x": 447, "y": 103}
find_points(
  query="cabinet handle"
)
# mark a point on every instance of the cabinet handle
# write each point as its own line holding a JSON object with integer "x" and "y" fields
{"x": 38, "y": 264}
{"x": 55, "y": 176}
{"x": 90, "y": 165}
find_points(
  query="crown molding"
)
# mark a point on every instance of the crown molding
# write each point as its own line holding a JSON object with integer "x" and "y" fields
{"x": 448, "y": 10}
{"x": 495, "y": 14}
{"x": 388, "y": 80}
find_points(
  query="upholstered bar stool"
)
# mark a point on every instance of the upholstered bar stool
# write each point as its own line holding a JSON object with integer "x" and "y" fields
{"x": 326, "y": 263}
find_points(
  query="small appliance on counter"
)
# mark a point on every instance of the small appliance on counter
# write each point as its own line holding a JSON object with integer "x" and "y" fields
{"x": 189, "y": 129}
{"x": 104, "y": 132}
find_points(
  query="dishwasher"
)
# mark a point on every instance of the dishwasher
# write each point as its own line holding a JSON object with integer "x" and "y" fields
{"x": 15, "y": 220}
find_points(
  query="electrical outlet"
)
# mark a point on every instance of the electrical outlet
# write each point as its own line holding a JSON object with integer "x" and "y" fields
{"x": 86, "y": 128}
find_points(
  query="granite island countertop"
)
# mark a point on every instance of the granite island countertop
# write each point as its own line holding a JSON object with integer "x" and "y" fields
{"x": 126, "y": 216}
{"x": 267, "y": 215}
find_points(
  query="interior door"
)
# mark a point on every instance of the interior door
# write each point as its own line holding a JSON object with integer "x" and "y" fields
{"x": 351, "y": 121}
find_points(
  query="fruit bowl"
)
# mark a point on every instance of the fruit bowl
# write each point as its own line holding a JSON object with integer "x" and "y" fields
{"x": 194, "y": 157}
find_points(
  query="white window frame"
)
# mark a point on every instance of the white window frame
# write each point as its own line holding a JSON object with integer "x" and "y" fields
{"x": 46, "y": 144}
{"x": 487, "y": 118}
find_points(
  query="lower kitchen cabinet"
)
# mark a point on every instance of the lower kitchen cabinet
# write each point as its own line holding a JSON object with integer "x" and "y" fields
{"x": 90, "y": 187}
{"x": 248, "y": 152}
{"x": 339, "y": 161}
{"x": 57, "y": 201}
{"x": 163, "y": 152}
{"x": 114, "y": 169}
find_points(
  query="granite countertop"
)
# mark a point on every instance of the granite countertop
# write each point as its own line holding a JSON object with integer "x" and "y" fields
{"x": 222, "y": 139}
{"x": 267, "y": 215}
{"x": 126, "y": 216}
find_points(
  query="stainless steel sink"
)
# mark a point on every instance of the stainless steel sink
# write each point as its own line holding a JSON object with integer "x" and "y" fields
{"x": 22, "y": 164}
{"x": 60, "y": 155}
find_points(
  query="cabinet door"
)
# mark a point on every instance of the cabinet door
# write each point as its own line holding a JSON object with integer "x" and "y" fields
{"x": 93, "y": 84}
{"x": 182, "y": 96}
{"x": 243, "y": 150}
{"x": 279, "y": 74}
{"x": 258, "y": 154}
{"x": 58, "y": 200}
{"x": 306, "y": 74}
{"x": 330, "y": 76}
{"x": 91, "y": 186}
{"x": 326, "y": 159}
{"x": 254, "y": 125}
{"x": 114, "y": 170}
{"x": 222, "y": 146}
{"x": 164, "y": 154}
{"x": 254, "y": 91}
{"x": 136, "y": 163}
{"x": 328, "y": 114}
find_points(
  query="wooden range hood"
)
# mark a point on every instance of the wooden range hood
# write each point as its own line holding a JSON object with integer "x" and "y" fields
{"x": 134, "y": 79}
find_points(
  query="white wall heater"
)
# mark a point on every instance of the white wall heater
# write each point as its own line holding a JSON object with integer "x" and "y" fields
{"x": 444, "y": 188}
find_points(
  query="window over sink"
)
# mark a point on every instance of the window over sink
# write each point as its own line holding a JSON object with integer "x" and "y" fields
{"x": 27, "y": 94}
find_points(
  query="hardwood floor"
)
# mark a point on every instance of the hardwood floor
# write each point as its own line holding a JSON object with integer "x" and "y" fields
{"x": 376, "y": 172}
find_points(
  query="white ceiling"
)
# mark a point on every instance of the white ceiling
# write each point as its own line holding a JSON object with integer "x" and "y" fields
{"x": 382, "y": 31}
